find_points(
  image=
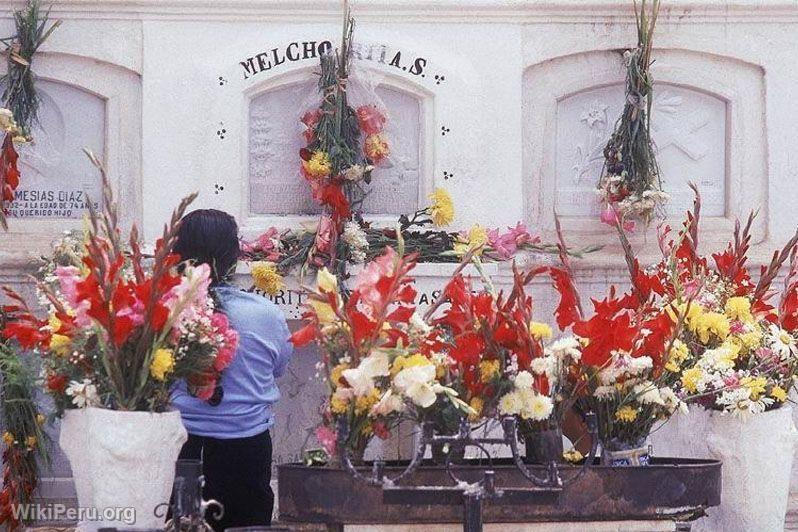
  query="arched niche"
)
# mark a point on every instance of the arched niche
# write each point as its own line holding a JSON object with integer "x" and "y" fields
{"x": 85, "y": 104}
{"x": 707, "y": 130}
{"x": 276, "y": 192}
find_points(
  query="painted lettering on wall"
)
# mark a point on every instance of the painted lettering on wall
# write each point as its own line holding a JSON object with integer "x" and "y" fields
{"x": 49, "y": 203}
{"x": 307, "y": 50}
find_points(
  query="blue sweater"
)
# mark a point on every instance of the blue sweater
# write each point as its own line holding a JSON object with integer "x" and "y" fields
{"x": 249, "y": 383}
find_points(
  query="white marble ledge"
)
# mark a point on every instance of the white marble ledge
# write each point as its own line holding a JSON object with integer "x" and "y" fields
{"x": 422, "y": 269}
{"x": 510, "y": 11}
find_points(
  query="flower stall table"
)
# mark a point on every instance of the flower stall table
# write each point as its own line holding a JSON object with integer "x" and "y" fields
{"x": 666, "y": 495}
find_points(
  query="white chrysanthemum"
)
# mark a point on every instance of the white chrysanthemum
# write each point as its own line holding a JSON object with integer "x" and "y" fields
{"x": 510, "y": 404}
{"x": 637, "y": 365}
{"x": 721, "y": 358}
{"x": 604, "y": 392}
{"x": 647, "y": 393}
{"x": 672, "y": 401}
{"x": 83, "y": 394}
{"x": 781, "y": 342}
{"x": 567, "y": 347}
{"x": 524, "y": 379}
{"x": 535, "y": 406}
{"x": 539, "y": 365}
{"x": 355, "y": 236}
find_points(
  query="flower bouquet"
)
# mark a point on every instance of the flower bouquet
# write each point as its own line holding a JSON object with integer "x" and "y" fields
{"x": 626, "y": 346}
{"x": 9, "y": 172}
{"x": 376, "y": 358}
{"x": 120, "y": 331}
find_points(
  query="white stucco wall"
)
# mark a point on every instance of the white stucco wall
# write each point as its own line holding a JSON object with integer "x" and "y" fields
{"x": 518, "y": 78}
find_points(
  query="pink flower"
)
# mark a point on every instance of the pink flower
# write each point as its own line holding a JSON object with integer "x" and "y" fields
{"x": 327, "y": 439}
{"x": 610, "y": 216}
{"x": 504, "y": 245}
{"x": 267, "y": 243}
{"x": 691, "y": 288}
{"x": 732, "y": 380}
{"x": 371, "y": 120}
{"x": 324, "y": 235}
{"x": 736, "y": 327}
{"x": 382, "y": 266}
{"x": 68, "y": 278}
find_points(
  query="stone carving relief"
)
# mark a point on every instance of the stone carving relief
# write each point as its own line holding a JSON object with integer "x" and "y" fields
{"x": 275, "y": 138}
{"x": 688, "y": 127}
{"x": 58, "y": 178}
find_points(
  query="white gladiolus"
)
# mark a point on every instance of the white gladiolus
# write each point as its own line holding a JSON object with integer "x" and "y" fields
{"x": 388, "y": 403}
{"x": 418, "y": 384}
{"x": 84, "y": 394}
{"x": 361, "y": 378}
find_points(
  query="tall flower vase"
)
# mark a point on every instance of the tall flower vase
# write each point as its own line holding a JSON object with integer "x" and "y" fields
{"x": 122, "y": 460}
{"x": 757, "y": 455}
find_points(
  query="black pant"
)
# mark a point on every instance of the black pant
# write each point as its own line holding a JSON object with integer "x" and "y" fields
{"x": 237, "y": 474}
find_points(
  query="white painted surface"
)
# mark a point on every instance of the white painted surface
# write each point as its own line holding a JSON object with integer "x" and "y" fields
{"x": 606, "y": 526}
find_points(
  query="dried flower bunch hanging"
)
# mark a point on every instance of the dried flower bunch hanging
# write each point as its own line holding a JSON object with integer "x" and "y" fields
{"x": 631, "y": 186}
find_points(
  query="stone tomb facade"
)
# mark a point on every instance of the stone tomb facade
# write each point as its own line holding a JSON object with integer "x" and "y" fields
{"x": 505, "y": 104}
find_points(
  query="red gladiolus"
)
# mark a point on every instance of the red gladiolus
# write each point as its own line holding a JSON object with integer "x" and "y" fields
{"x": 304, "y": 336}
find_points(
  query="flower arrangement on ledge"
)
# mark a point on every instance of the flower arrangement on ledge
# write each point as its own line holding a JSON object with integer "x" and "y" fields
{"x": 121, "y": 329}
{"x": 738, "y": 352}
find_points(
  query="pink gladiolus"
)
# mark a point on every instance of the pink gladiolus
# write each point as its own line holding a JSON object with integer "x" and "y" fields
{"x": 610, "y": 216}
{"x": 382, "y": 266}
{"x": 68, "y": 278}
{"x": 371, "y": 120}
{"x": 327, "y": 439}
{"x": 324, "y": 235}
{"x": 267, "y": 243}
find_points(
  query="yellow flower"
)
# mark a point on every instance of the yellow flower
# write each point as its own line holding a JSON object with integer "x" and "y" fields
{"x": 324, "y": 312}
{"x": 404, "y": 362}
{"x": 364, "y": 403}
{"x": 60, "y": 344}
{"x": 488, "y": 369}
{"x": 711, "y": 324}
{"x": 678, "y": 354}
{"x": 8, "y": 438}
{"x": 376, "y": 148}
{"x": 540, "y": 331}
{"x": 477, "y": 238}
{"x": 40, "y": 419}
{"x": 573, "y": 456}
{"x": 266, "y": 277}
{"x": 30, "y": 442}
{"x": 335, "y": 374}
{"x": 442, "y": 209}
{"x": 54, "y": 323}
{"x": 751, "y": 340}
{"x": 163, "y": 363}
{"x": 756, "y": 386}
{"x": 476, "y": 404}
{"x": 691, "y": 377}
{"x": 734, "y": 345}
{"x": 779, "y": 394}
{"x": 318, "y": 166}
{"x": 326, "y": 282}
{"x": 739, "y": 308}
{"x": 339, "y": 403}
{"x": 690, "y": 312}
{"x": 626, "y": 414}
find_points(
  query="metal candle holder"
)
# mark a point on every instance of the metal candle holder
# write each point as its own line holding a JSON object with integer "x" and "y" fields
{"x": 471, "y": 494}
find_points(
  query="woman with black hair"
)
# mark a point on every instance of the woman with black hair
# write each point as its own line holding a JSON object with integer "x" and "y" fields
{"x": 230, "y": 432}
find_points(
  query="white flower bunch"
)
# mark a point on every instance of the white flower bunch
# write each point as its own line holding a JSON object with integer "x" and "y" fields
{"x": 524, "y": 401}
{"x": 356, "y": 239}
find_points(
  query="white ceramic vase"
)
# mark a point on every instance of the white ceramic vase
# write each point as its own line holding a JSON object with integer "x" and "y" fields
{"x": 123, "y": 465}
{"x": 757, "y": 455}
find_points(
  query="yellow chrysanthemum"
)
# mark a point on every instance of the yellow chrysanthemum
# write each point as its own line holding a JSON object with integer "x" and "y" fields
{"x": 476, "y": 238}
{"x": 573, "y": 456}
{"x": 30, "y": 442}
{"x": 364, "y": 403}
{"x": 442, "y": 209}
{"x": 626, "y": 414}
{"x": 751, "y": 340}
{"x": 8, "y": 438}
{"x": 678, "y": 354}
{"x": 163, "y": 363}
{"x": 404, "y": 362}
{"x": 376, "y": 148}
{"x": 326, "y": 282}
{"x": 338, "y": 403}
{"x": 337, "y": 371}
{"x": 540, "y": 331}
{"x": 477, "y": 405}
{"x": 690, "y": 312}
{"x": 488, "y": 369}
{"x": 318, "y": 166}
{"x": 779, "y": 394}
{"x": 755, "y": 385}
{"x": 60, "y": 344}
{"x": 266, "y": 277}
{"x": 40, "y": 419}
{"x": 739, "y": 308}
{"x": 734, "y": 345}
{"x": 711, "y": 324}
{"x": 690, "y": 379}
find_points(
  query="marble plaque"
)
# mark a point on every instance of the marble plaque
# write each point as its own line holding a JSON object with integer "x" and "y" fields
{"x": 275, "y": 138}
{"x": 688, "y": 128}
{"x": 58, "y": 180}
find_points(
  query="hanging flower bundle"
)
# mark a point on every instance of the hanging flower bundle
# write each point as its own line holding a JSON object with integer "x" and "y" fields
{"x": 121, "y": 329}
{"x": 9, "y": 171}
{"x": 630, "y": 186}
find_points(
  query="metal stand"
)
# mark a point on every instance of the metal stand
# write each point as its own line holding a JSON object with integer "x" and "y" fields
{"x": 471, "y": 495}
